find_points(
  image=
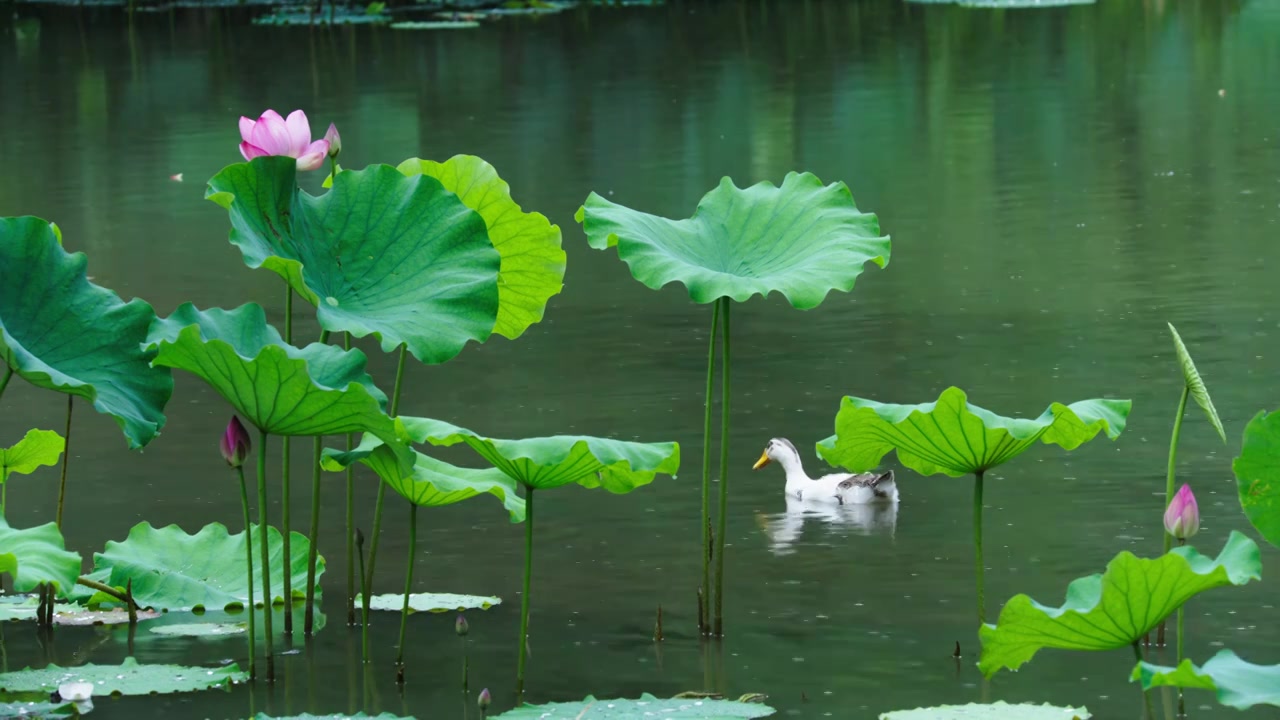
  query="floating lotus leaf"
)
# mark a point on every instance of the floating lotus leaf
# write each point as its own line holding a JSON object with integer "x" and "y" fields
{"x": 994, "y": 711}
{"x": 61, "y": 332}
{"x": 202, "y": 630}
{"x": 398, "y": 257}
{"x": 1116, "y": 608}
{"x": 23, "y": 607}
{"x": 803, "y": 239}
{"x": 1238, "y": 684}
{"x": 127, "y": 678}
{"x": 1258, "y": 475}
{"x": 37, "y": 555}
{"x": 172, "y": 570}
{"x": 645, "y": 707}
{"x": 1195, "y": 384}
{"x": 952, "y": 437}
{"x": 430, "y": 602}
{"x": 615, "y": 465}
{"x": 80, "y": 617}
{"x": 36, "y": 709}
{"x": 532, "y": 269}
{"x": 36, "y": 448}
{"x": 338, "y": 716}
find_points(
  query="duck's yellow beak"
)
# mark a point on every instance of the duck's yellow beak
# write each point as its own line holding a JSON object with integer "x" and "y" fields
{"x": 764, "y": 460}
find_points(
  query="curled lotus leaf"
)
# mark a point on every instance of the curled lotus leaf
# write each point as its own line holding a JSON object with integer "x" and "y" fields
{"x": 1195, "y": 384}
{"x": 1237, "y": 683}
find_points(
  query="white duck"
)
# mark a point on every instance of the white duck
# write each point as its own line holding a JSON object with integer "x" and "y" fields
{"x": 837, "y": 488}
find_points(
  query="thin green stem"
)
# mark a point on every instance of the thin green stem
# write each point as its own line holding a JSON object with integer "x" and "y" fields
{"x": 263, "y": 531}
{"x": 979, "y": 570}
{"x": 704, "y": 596}
{"x": 285, "y": 525}
{"x": 408, "y": 588}
{"x": 4, "y": 382}
{"x": 248, "y": 558}
{"x": 395, "y": 392}
{"x": 103, "y": 588}
{"x": 364, "y": 593}
{"x": 377, "y": 506}
{"x": 1173, "y": 458}
{"x": 351, "y": 519}
{"x": 66, "y": 459}
{"x": 524, "y": 599}
{"x": 724, "y": 470}
{"x": 308, "y": 623}
{"x": 1146, "y": 696}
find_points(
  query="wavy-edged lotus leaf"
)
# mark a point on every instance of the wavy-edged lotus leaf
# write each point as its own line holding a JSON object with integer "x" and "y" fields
{"x": 533, "y": 262}
{"x": 432, "y": 483}
{"x": 37, "y": 555}
{"x": 994, "y": 711}
{"x": 952, "y": 437}
{"x": 803, "y": 239}
{"x": 37, "y": 709}
{"x": 1238, "y": 684}
{"x": 1116, "y": 608}
{"x": 23, "y": 607}
{"x": 336, "y": 716}
{"x": 1195, "y": 384}
{"x": 61, "y": 332}
{"x": 172, "y": 570}
{"x": 430, "y": 602}
{"x": 644, "y": 707}
{"x": 36, "y": 448}
{"x": 618, "y": 466}
{"x": 1257, "y": 473}
{"x": 382, "y": 253}
{"x": 127, "y": 678}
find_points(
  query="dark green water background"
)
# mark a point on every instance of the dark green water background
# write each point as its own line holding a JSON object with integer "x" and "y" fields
{"x": 1058, "y": 185}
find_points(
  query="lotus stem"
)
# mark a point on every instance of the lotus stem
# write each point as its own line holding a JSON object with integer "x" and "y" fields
{"x": 1182, "y": 707}
{"x": 466, "y": 663}
{"x": 724, "y": 472}
{"x": 1170, "y": 477}
{"x": 248, "y": 559}
{"x": 364, "y": 593}
{"x": 4, "y": 382}
{"x": 351, "y": 520}
{"x": 704, "y": 610}
{"x": 524, "y": 598}
{"x": 408, "y": 587}
{"x": 66, "y": 459}
{"x": 309, "y": 618}
{"x": 979, "y": 571}
{"x": 102, "y": 588}
{"x": 377, "y": 506}
{"x": 1146, "y": 697}
{"x": 263, "y": 532}
{"x": 284, "y": 482}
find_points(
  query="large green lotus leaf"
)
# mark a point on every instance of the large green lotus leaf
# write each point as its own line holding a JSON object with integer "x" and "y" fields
{"x": 37, "y": 555}
{"x": 36, "y": 709}
{"x": 432, "y": 482}
{"x": 994, "y": 711}
{"x": 62, "y": 332}
{"x": 533, "y": 262}
{"x": 1258, "y": 475}
{"x": 803, "y": 239}
{"x": 172, "y": 570}
{"x": 645, "y": 707}
{"x": 615, "y": 465}
{"x": 398, "y": 257}
{"x": 1116, "y": 608}
{"x": 127, "y": 678}
{"x": 36, "y": 448}
{"x": 1195, "y": 384}
{"x": 952, "y": 437}
{"x": 1238, "y": 684}
{"x": 429, "y": 602}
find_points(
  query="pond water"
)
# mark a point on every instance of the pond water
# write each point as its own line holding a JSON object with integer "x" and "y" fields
{"x": 1059, "y": 184}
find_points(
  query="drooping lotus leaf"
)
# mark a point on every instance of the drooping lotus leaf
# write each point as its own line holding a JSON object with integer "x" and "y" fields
{"x": 172, "y": 570}
{"x": 1195, "y": 385}
{"x": 533, "y": 262}
{"x": 646, "y": 706}
{"x": 61, "y": 332}
{"x": 36, "y": 448}
{"x": 994, "y": 711}
{"x": 803, "y": 239}
{"x": 1258, "y": 475}
{"x": 1238, "y": 684}
{"x": 381, "y": 253}
{"x": 127, "y": 678}
{"x": 36, "y": 709}
{"x": 952, "y": 437}
{"x": 430, "y": 602}
{"x": 615, "y": 465}
{"x": 432, "y": 482}
{"x": 37, "y": 555}
{"x": 1116, "y": 608}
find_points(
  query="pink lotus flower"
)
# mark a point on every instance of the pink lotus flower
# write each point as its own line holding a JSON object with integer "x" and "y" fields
{"x": 235, "y": 443}
{"x": 1182, "y": 518}
{"x": 274, "y": 135}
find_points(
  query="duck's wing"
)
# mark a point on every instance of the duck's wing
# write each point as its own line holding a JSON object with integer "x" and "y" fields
{"x": 870, "y": 481}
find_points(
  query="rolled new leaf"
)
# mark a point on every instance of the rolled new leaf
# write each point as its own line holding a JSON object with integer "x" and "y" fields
{"x": 1195, "y": 384}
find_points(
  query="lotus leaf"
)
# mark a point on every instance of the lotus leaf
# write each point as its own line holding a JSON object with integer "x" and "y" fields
{"x": 398, "y": 257}
{"x": 201, "y": 630}
{"x": 1257, "y": 473}
{"x": 336, "y": 716}
{"x": 994, "y": 711}
{"x": 1195, "y": 385}
{"x": 430, "y": 602}
{"x": 803, "y": 239}
{"x": 1116, "y": 608}
{"x": 37, "y": 555}
{"x": 1238, "y": 684}
{"x": 36, "y": 709}
{"x": 646, "y": 706}
{"x": 36, "y": 448}
{"x": 952, "y": 437}
{"x": 61, "y": 332}
{"x": 127, "y": 678}
{"x": 23, "y": 607}
{"x": 79, "y": 617}
{"x": 533, "y": 262}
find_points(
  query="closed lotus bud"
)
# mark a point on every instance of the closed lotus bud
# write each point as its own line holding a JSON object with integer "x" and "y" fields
{"x": 235, "y": 443}
{"x": 485, "y": 699}
{"x": 461, "y": 627}
{"x": 335, "y": 140}
{"x": 1182, "y": 518}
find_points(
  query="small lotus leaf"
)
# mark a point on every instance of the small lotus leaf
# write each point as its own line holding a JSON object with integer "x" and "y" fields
{"x": 644, "y": 707}
{"x": 1116, "y": 608}
{"x": 61, "y": 332}
{"x": 1238, "y": 684}
{"x": 1195, "y": 384}
{"x": 38, "y": 447}
{"x": 37, "y": 555}
{"x": 803, "y": 239}
{"x": 1257, "y": 473}
{"x": 80, "y": 617}
{"x": 37, "y": 709}
{"x": 994, "y": 711}
{"x": 952, "y": 437}
{"x": 127, "y": 678}
{"x": 430, "y": 602}
{"x": 398, "y": 257}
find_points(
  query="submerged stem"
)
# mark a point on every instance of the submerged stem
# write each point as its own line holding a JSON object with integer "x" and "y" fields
{"x": 66, "y": 458}
{"x": 263, "y": 528}
{"x": 308, "y": 623}
{"x": 704, "y": 609}
{"x": 377, "y": 507}
{"x": 408, "y": 588}
{"x": 285, "y": 526}
{"x": 979, "y": 570}
{"x": 724, "y": 471}
{"x": 1146, "y": 696}
{"x": 248, "y": 557}
{"x": 524, "y": 598}
{"x": 351, "y": 519}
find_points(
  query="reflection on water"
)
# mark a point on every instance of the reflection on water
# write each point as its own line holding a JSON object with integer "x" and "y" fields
{"x": 784, "y": 529}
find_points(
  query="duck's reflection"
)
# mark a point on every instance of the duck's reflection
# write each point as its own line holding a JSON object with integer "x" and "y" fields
{"x": 784, "y": 529}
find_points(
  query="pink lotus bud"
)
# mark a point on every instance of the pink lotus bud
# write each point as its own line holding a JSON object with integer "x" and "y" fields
{"x": 334, "y": 139}
{"x": 1182, "y": 518}
{"x": 271, "y": 134}
{"x": 235, "y": 443}
{"x": 485, "y": 699}
{"x": 461, "y": 627}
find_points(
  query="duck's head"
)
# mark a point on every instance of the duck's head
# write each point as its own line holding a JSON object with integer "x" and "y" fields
{"x": 779, "y": 450}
